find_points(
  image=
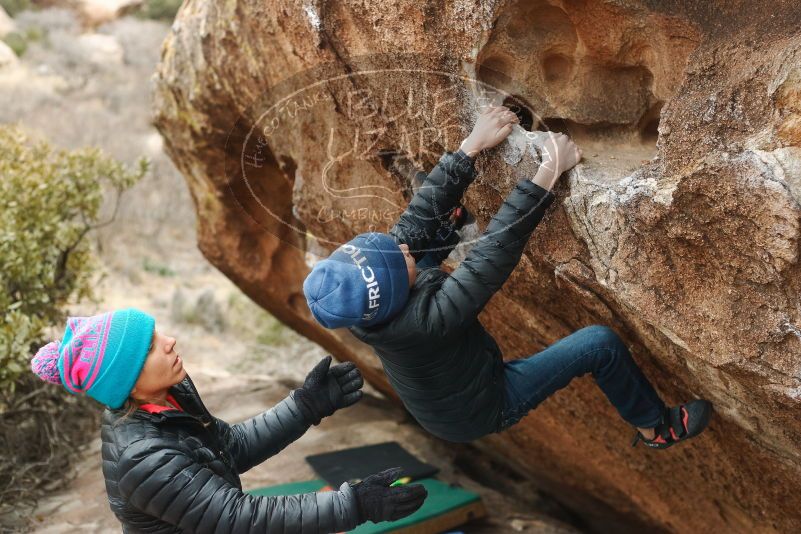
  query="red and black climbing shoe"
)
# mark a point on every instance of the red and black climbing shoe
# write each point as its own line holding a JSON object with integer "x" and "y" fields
{"x": 679, "y": 423}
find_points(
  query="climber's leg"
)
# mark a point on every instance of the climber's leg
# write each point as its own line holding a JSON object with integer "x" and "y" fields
{"x": 597, "y": 350}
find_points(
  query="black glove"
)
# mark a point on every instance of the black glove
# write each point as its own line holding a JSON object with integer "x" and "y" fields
{"x": 378, "y": 502}
{"x": 327, "y": 390}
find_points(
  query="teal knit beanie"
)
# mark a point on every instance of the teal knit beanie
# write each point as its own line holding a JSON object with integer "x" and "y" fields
{"x": 101, "y": 355}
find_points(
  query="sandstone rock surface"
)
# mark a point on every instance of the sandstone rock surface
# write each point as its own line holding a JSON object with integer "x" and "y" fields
{"x": 680, "y": 228}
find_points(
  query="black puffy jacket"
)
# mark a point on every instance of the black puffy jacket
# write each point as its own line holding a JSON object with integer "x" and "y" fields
{"x": 178, "y": 471}
{"x": 446, "y": 368}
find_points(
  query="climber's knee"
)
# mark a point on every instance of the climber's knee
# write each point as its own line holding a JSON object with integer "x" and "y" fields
{"x": 602, "y": 348}
{"x": 600, "y": 336}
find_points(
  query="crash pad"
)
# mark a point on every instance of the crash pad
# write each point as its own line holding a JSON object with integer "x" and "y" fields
{"x": 356, "y": 463}
{"x": 446, "y": 507}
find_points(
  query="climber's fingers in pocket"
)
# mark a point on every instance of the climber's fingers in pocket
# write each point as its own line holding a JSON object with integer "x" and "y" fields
{"x": 501, "y": 118}
{"x": 504, "y": 132}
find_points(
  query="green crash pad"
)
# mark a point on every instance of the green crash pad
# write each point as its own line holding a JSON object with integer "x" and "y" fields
{"x": 445, "y": 507}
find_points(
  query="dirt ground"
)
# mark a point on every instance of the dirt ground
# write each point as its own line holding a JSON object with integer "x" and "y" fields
{"x": 76, "y": 89}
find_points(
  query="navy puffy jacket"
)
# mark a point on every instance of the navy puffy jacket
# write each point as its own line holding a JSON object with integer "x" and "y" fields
{"x": 446, "y": 368}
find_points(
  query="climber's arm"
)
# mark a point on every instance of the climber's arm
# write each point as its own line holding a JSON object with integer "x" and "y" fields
{"x": 492, "y": 259}
{"x": 463, "y": 295}
{"x": 445, "y": 185}
{"x": 432, "y": 204}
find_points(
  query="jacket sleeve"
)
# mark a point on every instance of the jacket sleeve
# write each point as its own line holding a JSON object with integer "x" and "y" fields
{"x": 167, "y": 484}
{"x": 253, "y": 441}
{"x": 431, "y": 205}
{"x": 463, "y": 295}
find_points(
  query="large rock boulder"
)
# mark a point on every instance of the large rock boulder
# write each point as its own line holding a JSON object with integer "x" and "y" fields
{"x": 296, "y": 126}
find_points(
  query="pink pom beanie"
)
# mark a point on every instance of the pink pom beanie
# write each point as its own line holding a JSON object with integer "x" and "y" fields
{"x": 101, "y": 356}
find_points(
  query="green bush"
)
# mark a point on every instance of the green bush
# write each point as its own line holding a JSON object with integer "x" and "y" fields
{"x": 159, "y": 9}
{"x": 49, "y": 201}
{"x": 157, "y": 268}
{"x": 16, "y": 42}
{"x": 13, "y": 7}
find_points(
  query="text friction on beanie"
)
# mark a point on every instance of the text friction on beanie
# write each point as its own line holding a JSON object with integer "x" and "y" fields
{"x": 373, "y": 289}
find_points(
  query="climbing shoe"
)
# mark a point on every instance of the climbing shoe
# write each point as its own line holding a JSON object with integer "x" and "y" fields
{"x": 678, "y": 423}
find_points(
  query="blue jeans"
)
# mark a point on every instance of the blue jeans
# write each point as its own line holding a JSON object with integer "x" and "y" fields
{"x": 594, "y": 349}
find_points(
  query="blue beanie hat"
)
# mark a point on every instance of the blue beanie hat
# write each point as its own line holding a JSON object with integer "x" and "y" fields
{"x": 101, "y": 355}
{"x": 364, "y": 282}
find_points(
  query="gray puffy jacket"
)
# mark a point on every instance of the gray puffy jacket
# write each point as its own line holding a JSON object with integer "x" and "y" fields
{"x": 178, "y": 471}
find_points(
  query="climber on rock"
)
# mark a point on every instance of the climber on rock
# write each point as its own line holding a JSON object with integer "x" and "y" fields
{"x": 423, "y": 323}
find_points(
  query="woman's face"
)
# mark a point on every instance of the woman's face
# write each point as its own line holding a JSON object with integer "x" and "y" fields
{"x": 163, "y": 368}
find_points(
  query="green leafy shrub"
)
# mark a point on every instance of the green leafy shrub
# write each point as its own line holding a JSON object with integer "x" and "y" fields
{"x": 13, "y": 7}
{"x": 49, "y": 201}
{"x": 157, "y": 268}
{"x": 18, "y": 42}
{"x": 159, "y": 9}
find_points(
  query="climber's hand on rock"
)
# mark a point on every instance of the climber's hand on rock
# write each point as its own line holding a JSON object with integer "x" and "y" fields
{"x": 494, "y": 124}
{"x": 559, "y": 154}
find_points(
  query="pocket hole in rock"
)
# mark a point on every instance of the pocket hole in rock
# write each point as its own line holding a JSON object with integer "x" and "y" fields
{"x": 609, "y": 107}
{"x": 649, "y": 124}
{"x": 289, "y": 167}
{"x": 555, "y": 124}
{"x": 518, "y": 106}
{"x": 387, "y": 157}
{"x": 493, "y": 69}
{"x": 556, "y": 68}
{"x": 402, "y": 169}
